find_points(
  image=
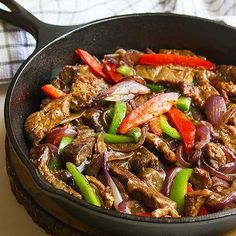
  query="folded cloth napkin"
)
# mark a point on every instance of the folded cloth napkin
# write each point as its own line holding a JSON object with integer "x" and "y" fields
{"x": 16, "y": 44}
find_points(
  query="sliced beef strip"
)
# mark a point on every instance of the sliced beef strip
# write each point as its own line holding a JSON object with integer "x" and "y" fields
{"x": 103, "y": 192}
{"x": 161, "y": 146}
{"x": 228, "y": 87}
{"x": 148, "y": 196}
{"x": 228, "y": 137}
{"x": 66, "y": 77}
{"x": 198, "y": 94}
{"x": 195, "y": 200}
{"x": 182, "y": 52}
{"x": 81, "y": 149}
{"x": 85, "y": 88}
{"x": 141, "y": 99}
{"x": 200, "y": 179}
{"x": 143, "y": 158}
{"x": 226, "y": 73}
{"x": 40, "y": 122}
{"x": 172, "y": 75}
{"x": 41, "y": 155}
{"x": 215, "y": 154}
{"x": 232, "y": 120}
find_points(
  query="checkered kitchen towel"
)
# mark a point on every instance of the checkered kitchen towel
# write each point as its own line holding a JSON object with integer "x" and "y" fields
{"x": 16, "y": 45}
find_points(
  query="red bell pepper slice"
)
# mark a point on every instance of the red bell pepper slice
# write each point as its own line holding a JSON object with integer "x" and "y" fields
{"x": 163, "y": 59}
{"x": 189, "y": 188}
{"x": 110, "y": 69}
{"x": 147, "y": 111}
{"x": 95, "y": 66}
{"x": 203, "y": 211}
{"x": 53, "y": 92}
{"x": 144, "y": 214}
{"x": 185, "y": 127}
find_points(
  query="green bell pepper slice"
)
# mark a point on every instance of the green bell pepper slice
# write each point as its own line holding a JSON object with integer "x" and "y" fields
{"x": 135, "y": 133}
{"x": 64, "y": 142}
{"x": 55, "y": 164}
{"x": 155, "y": 87}
{"x": 125, "y": 70}
{"x": 179, "y": 188}
{"x": 85, "y": 189}
{"x": 168, "y": 129}
{"x": 118, "y": 115}
{"x": 183, "y": 103}
{"x": 116, "y": 138}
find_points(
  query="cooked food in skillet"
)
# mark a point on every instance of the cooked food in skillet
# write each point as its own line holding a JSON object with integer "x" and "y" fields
{"x": 148, "y": 134}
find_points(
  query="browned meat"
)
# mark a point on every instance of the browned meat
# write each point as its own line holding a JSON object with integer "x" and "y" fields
{"x": 153, "y": 178}
{"x": 200, "y": 93}
{"x": 195, "y": 200}
{"x": 62, "y": 174}
{"x": 226, "y": 73}
{"x": 215, "y": 154}
{"x": 232, "y": 121}
{"x": 200, "y": 179}
{"x": 41, "y": 155}
{"x": 143, "y": 158}
{"x": 81, "y": 149}
{"x": 103, "y": 192}
{"x": 40, "y": 122}
{"x": 141, "y": 99}
{"x": 157, "y": 143}
{"x": 148, "y": 196}
{"x": 228, "y": 87}
{"x": 182, "y": 52}
{"x": 45, "y": 102}
{"x": 66, "y": 77}
{"x": 172, "y": 75}
{"x": 85, "y": 87}
{"x": 221, "y": 195}
{"x": 228, "y": 137}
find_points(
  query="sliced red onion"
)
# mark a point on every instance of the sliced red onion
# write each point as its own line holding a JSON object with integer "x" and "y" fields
{"x": 179, "y": 157}
{"x": 124, "y": 207}
{"x": 53, "y": 148}
{"x": 54, "y": 136}
{"x": 212, "y": 171}
{"x": 228, "y": 168}
{"x": 113, "y": 58}
{"x": 131, "y": 57}
{"x": 124, "y": 91}
{"x": 203, "y": 135}
{"x": 219, "y": 182}
{"x": 123, "y": 190}
{"x": 115, "y": 192}
{"x": 195, "y": 156}
{"x": 225, "y": 118}
{"x": 214, "y": 109}
{"x": 228, "y": 152}
{"x": 170, "y": 175}
{"x": 220, "y": 205}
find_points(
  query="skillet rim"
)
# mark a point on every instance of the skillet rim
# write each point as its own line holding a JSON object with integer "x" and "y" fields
{"x": 59, "y": 194}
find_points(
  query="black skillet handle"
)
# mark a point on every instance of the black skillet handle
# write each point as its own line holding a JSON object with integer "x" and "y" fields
{"x": 42, "y": 32}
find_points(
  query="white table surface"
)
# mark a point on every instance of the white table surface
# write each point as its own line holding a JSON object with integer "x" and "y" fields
{"x": 14, "y": 220}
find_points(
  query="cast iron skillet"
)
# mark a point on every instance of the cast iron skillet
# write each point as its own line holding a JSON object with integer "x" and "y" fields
{"x": 55, "y": 48}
